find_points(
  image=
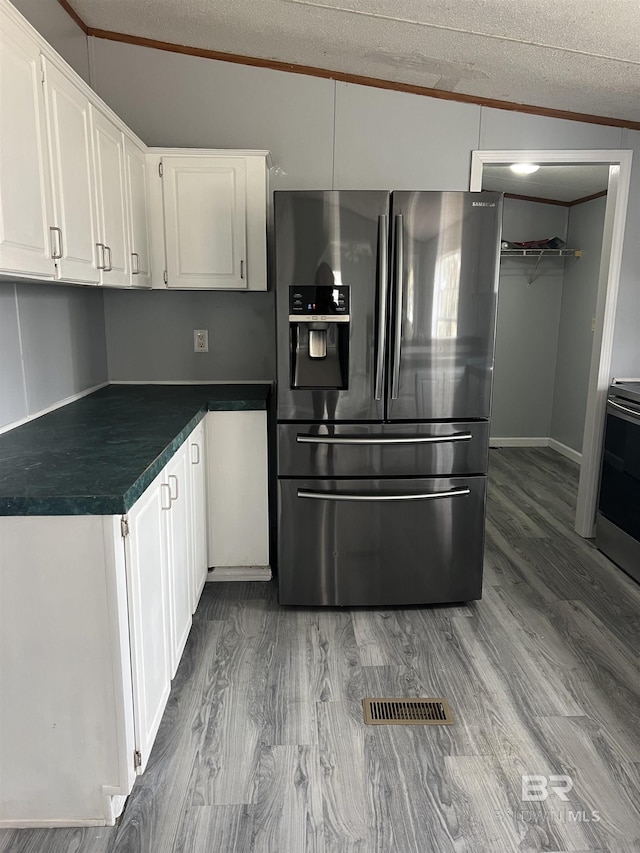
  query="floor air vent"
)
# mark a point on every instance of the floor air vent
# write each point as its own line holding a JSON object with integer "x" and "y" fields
{"x": 407, "y": 712}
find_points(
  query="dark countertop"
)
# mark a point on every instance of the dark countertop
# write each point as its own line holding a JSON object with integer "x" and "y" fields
{"x": 97, "y": 455}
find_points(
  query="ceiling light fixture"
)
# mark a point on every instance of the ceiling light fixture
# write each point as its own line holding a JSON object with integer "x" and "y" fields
{"x": 524, "y": 168}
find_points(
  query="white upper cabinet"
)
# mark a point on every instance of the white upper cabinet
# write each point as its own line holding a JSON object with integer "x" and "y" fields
{"x": 205, "y": 222}
{"x": 208, "y": 213}
{"x": 74, "y": 199}
{"x": 25, "y": 189}
{"x": 113, "y": 238}
{"x": 136, "y": 174}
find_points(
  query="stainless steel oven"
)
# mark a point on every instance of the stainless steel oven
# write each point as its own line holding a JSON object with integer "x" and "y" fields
{"x": 618, "y": 518}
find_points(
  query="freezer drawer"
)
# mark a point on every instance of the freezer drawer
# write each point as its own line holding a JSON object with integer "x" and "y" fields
{"x": 392, "y": 450}
{"x": 380, "y": 542}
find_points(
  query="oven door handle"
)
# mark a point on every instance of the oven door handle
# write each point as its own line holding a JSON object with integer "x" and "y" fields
{"x": 327, "y": 496}
{"x": 422, "y": 439}
{"x": 620, "y": 408}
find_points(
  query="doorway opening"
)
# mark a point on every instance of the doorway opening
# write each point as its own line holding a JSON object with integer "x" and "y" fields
{"x": 618, "y": 166}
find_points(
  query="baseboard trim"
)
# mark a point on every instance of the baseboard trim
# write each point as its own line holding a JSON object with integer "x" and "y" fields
{"x": 569, "y": 452}
{"x": 239, "y": 573}
{"x": 540, "y": 441}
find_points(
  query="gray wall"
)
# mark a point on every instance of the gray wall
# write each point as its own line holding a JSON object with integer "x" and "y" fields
{"x": 575, "y": 338}
{"x": 60, "y": 30}
{"x": 321, "y": 134}
{"x": 528, "y": 323}
{"x": 52, "y": 346}
{"x": 150, "y": 335}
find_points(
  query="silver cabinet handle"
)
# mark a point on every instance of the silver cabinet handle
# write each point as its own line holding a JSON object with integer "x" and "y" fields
{"x": 398, "y": 275}
{"x": 425, "y": 496}
{"x": 421, "y": 439}
{"x": 56, "y": 255}
{"x": 108, "y": 250}
{"x": 174, "y": 497}
{"x": 383, "y": 274}
{"x": 100, "y": 247}
{"x": 633, "y": 412}
{"x": 165, "y": 496}
{"x": 135, "y": 267}
{"x": 195, "y": 454}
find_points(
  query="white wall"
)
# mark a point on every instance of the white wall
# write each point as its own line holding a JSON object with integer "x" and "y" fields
{"x": 528, "y": 324}
{"x": 575, "y": 337}
{"x": 52, "y": 346}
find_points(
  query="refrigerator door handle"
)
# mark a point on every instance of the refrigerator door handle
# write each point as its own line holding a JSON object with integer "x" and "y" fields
{"x": 383, "y": 277}
{"x": 398, "y": 284}
{"x": 424, "y": 496}
{"x": 421, "y": 439}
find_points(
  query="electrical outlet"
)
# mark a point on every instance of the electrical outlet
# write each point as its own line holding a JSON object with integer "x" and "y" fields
{"x": 201, "y": 340}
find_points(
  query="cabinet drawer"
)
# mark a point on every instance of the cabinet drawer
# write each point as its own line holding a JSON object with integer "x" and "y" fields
{"x": 390, "y": 450}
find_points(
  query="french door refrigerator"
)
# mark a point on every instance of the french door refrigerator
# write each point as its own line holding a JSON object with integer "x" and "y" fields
{"x": 386, "y": 311}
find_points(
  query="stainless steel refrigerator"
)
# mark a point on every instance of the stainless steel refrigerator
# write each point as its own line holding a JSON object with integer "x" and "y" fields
{"x": 386, "y": 311}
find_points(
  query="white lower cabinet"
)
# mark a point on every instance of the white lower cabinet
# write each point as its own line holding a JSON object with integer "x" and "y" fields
{"x": 237, "y": 485}
{"x": 199, "y": 562}
{"x": 94, "y": 615}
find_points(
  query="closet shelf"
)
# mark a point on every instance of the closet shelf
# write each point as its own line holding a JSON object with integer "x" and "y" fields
{"x": 539, "y": 254}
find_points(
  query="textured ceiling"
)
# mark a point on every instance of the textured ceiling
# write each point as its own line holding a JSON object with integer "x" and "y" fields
{"x": 577, "y": 55}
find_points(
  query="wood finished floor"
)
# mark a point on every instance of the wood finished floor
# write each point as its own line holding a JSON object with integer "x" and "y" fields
{"x": 262, "y": 746}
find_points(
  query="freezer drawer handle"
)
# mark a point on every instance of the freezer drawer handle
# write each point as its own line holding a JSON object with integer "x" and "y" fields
{"x": 428, "y": 496}
{"x": 422, "y": 439}
{"x": 634, "y": 412}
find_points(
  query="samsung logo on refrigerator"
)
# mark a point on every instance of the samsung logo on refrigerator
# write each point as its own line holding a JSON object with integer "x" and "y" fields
{"x": 483, "y": 204}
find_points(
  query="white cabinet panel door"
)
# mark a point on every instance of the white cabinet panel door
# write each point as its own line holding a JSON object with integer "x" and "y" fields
{"x": 25, "y": 190}
{"x": 148, "y": 612}
{"x": 205, "y": 221}
{"x": 136, "y": 171}
{"x": 199, "y": 513}
{"x": 69, "y": 129}
{"x": 112, "y": 208}
{"x": 179, "y": 521}
{"x": 237, "y": 482}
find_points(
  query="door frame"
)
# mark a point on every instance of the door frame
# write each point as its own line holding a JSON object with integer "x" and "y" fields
{"x": 619, "y": 162}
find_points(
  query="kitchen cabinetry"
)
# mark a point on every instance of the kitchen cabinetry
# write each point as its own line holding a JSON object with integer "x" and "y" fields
{"x": 136, "y": 174}
{"x": 73, "y": 225}
{"x": 237, "y": 476}
{"x": 199, "y": 515}
{"x": 208, "y": 218}
{"x": 113, "y": 238}
{"x": 94, "y": 614}
{"x": 25, "y": 187}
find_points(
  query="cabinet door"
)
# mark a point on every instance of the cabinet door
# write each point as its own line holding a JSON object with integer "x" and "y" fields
{"x": 25, "y": 191}
{"x": 179, "y": 531}
{"x": 108, "y": 144}
{"x": 147, "y": 588}
{"x": 69, "y": 131}
{"x": 199, "y": 563}
{"x": 205, "y": 221}
{"x": 136, "y": 174}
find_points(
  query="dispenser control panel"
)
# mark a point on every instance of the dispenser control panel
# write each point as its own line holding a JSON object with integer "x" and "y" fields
{"x": 310, "y": 303}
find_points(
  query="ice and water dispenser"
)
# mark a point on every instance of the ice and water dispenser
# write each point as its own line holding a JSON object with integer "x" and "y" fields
{"x": 319, "y": 336}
